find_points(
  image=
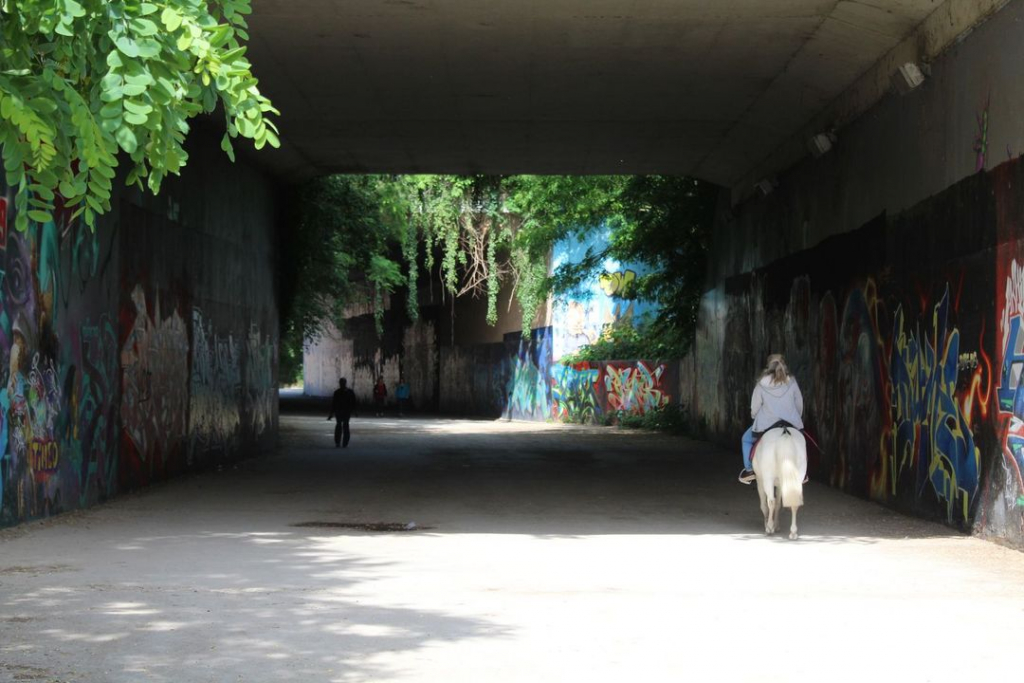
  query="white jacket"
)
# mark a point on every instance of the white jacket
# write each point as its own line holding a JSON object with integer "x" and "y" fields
{"x": 773, "y": 402}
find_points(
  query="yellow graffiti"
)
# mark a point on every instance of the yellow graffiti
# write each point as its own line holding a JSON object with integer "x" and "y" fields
{"x": 42, "y": 455}
{"x": 618, "y": 284}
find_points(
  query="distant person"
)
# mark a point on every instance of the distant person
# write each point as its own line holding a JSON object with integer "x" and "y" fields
{"x": 380, "y": 394}
{"x": 343, "y": 405}
{"x": 402, "y": 394}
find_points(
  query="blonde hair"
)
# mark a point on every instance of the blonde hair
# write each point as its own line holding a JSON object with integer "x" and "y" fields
{"x": 776, "y": 369}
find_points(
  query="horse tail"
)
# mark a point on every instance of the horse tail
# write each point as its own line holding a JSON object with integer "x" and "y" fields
{"x": 790, "y": 475}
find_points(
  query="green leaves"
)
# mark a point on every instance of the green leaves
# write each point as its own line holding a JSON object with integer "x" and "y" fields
{"x": 127, "y": 46}
{"x": 40, "y": 216}
{"x": 171, "y": 19}
{"x": 82, "y": 79}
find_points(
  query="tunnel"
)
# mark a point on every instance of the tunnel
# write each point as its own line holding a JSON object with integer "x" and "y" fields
{"x": 167, "y": 513}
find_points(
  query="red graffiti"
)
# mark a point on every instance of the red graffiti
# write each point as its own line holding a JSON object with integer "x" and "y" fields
{"x": 43, "y": 456}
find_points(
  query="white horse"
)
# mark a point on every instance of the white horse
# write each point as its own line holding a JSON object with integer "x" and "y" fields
{"x": 780, "y": 463}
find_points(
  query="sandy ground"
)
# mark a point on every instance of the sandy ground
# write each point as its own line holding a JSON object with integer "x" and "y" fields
{"x": 539, "y": 553}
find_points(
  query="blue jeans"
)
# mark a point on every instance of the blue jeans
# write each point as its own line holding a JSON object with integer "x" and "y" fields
{"x": 748, "y": 445}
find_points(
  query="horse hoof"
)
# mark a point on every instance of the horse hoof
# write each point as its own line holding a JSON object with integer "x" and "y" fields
{"x": 792, "y": 535}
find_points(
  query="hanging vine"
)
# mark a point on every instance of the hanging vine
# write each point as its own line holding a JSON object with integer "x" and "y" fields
{"x": 360, "y": 238}
{"x": 410, "y": 253}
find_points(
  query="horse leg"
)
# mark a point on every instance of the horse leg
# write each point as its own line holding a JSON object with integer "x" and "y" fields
{"x": 792, "y": 526}
{"x": 764, "y": 503}
{"x": 773, "y": 510}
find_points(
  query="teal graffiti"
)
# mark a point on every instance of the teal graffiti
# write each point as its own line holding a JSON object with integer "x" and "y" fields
{"x": 528, "y": 392}
{"x": 49, "y": 250}
{"x": 574, "y": 394}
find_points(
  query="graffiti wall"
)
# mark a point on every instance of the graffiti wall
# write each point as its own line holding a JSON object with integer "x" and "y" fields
{"x": 905, "y": 336}
{"x": 582, "y": 316}
{"x": 594, "y": 392}
{"x": 58, "y": 367}
{"x": 519, "y": 380}
{"x": 120, "y": 362}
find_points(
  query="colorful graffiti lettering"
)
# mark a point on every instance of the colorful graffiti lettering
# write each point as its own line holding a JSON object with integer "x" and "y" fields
{"x": 586, "y": 391}
{"x": 36, "y": 400}
{"x": 1013, "y": 307}
{"x": 933, "y": 441}
{"x": 635, "y": 389}
{"x": 574, "y": 392}
{"x": 529, "y": 388}
{"x": 863, "y": 396}
{"x": 1010, "y": 395}
{"x": 619, "y": 284}
{"x": 43, "y": 455}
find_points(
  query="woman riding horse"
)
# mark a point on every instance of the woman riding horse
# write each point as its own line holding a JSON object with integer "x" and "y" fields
{"x": 776, "y": 398}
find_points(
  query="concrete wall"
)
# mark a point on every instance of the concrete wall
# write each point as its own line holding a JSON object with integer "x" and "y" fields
{"x": 142, "y": 350}
{"x": 887, "y": 271}
{"x": 406, "y": 348}
{"x": 964, "y": 118}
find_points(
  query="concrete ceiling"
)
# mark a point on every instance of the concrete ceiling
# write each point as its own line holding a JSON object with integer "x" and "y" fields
{"x": 710, "y": 88}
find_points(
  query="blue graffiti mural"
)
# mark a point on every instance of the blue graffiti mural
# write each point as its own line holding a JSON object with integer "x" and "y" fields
{"x": 582, "y": 316}
{"x": 932, "y": 440}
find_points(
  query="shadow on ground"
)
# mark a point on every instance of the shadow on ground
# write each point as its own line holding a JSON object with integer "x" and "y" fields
{"x": 320, "y": 563}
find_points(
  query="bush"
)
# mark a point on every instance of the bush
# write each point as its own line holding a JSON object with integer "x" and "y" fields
{"x": 622, "y": 340}
{"x": 672, "y": 419}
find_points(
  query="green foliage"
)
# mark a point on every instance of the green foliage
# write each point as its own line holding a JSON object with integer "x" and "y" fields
{"x": 553, "y": 207}
{"x": 479, "y": 233}
{"x": 668, "y": 221}
{"x": 338, "y": 252}
{"x": 549, "y": 209}
{"x": 671, "y": 418}
{"x": 385, "y": 276}
{"x": 81, "y": 80}
{"x": 665, "y": 224}
{"x": 490, "y": 230}
{"x": 290, "y": 365}
{"x": 625, "y": 341}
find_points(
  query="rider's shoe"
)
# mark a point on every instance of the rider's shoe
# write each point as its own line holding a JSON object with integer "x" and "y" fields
{"x": 747, "y": 476}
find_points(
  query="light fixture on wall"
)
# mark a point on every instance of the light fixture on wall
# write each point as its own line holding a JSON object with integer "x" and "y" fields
{"x": 908, "y": 76}
{"x": 764, "y": 186}
{"x": 821, "y": 143}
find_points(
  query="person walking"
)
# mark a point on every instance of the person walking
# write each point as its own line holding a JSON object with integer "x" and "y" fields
{"x": 402, "y": 394}
{"x": 342, "y": 405}
{"x": 380, "y": 394}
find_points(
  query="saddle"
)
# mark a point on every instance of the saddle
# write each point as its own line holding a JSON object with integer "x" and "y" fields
{"x": 781, "y": 424}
